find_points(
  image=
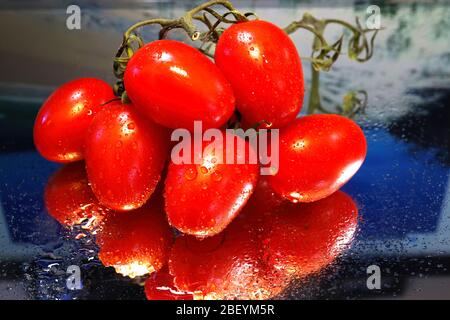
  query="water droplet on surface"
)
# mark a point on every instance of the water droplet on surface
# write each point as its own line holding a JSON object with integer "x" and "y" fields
{"x": 203, "y": 170}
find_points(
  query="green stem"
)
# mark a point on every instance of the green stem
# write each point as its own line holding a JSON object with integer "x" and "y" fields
{"x": 314, "y": 96}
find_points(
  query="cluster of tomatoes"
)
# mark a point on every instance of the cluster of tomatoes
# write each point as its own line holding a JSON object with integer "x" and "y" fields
{"x": 123, "y": 177}
{"x": 271, "y": 241}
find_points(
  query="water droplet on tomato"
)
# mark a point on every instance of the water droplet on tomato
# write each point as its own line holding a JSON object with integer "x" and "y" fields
{"x": 190, "y": 174}
{"x": 216, "y": 176}
{"x": 131, "y": 126}
{"x": 203, "y": 170}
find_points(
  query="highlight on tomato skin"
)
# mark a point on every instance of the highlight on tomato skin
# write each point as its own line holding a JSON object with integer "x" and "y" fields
{"x": 125, "y": 155}
{"x": 263, "y": 66}
{"x": 202, "y": 199}
{"x": 137, "y": 242}
{"x": 61, "y": 124}
{"x": 318, "y": 155}
{"x": 174, "y": 84}
{"x": 70, "y": 200}
{"x": 160, "y": 286}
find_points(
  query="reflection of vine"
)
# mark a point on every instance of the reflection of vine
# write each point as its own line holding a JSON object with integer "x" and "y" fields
{"x": 323, "y": 55}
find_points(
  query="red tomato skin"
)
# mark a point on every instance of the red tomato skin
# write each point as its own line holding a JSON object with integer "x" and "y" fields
{"x": 202, "y": 199}
{"x": 175, "y": 84}
{"x": 263, "y": 66}
{"x": 125, "y": 155}
{"x": 318, "y": 155}
{"x": 61, "y": 124}
{"x": 69, "y": 198}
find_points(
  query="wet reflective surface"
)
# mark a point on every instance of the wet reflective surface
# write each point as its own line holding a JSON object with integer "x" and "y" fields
{"x": 401, "y": 191}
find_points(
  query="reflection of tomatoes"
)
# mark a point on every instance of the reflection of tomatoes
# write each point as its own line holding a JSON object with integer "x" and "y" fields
{"x": 202, "y": 199}
{"x": 258, "y": 254}
{"x": 69, "y": 198}
{"x": 229, "y": 265}
{"x": 175, "y": 84}
{"x": 125, "y": 154}
{"x": 160, "y": 286}
{"x": 318, "y": 154}
{"x": 304, "y": 238}
{"x": 263, "y": 66}
{"x": 138, "y": 242}
{"x": 61, "y": 124}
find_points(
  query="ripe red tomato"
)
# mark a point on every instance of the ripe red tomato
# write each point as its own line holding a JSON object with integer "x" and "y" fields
{"x": 138, "y": 242}
{"x": 69, "y": 198}
{"x": 318, "y": 154}
{"x": 301, "y": 239}
{"x": 160, "y": 286}
{"x": 62, "y": 121}
{"x": 125, "y": 154}
{"x": 202, "y": 199}
{"x": 264, "y": 69}
{"x": 174, "y": 84}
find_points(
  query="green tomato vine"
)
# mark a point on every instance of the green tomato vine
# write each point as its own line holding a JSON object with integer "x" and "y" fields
{"x": 205, "y": 24}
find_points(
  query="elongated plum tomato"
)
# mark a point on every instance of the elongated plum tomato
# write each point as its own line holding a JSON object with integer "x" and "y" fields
{"x": 125, "y": 154}
{"x": 318, "y": 154}
{"x": 62, "y": 121}
{"x": 264, "y": 69}
{"x": 202, "y": 199}
{"x": 174, "y": 84}
{"x": 69, "y": 198}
